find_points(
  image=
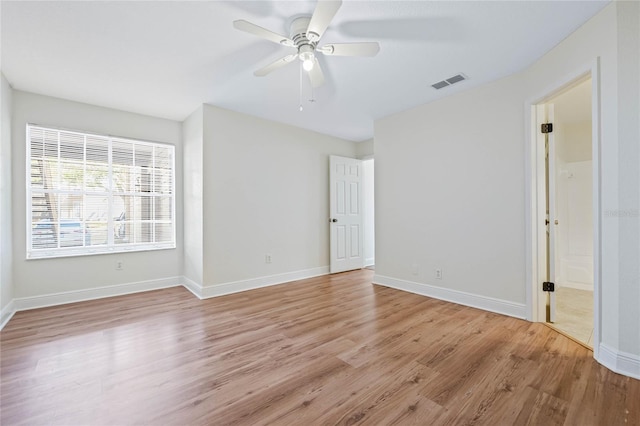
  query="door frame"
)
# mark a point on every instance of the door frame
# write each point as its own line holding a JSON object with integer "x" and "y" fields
{"x": 368, "y": 214}
{"x": 535, "y": 212}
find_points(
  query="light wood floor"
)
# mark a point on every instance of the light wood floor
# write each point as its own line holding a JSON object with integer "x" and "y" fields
{"x": 324, "y": 351}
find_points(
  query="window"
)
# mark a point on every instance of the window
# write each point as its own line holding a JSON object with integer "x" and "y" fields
{"x": 90, "y": 194}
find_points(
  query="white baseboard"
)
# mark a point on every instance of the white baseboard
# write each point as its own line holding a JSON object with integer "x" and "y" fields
{"x": 517, "y": 310}
{"x": 621, "y": 362}
{"x": 251, "y": 284}
{"x": 7, "y": 313}
{"x": 192, "y": 286}
{"x": 34, "y": 302}
{"x": 369, "y": 262}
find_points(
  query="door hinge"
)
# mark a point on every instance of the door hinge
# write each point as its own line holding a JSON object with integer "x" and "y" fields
{"x": 546, "y": 127}
{"x": 547, "y": 286}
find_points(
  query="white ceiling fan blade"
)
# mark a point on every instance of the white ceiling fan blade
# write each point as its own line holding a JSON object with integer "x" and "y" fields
{"x": 315, "y": 75}
{"x": 322, "y": 16}
{"x": 367, "y": 48}
{"x": 256, "y": 30}
{"x": 275, "y": 65}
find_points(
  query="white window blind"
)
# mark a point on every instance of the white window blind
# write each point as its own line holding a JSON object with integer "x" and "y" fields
{"x": 90, "y": 194}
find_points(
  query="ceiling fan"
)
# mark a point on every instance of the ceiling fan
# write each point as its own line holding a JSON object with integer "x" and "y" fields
{"x": 305, "y": 33}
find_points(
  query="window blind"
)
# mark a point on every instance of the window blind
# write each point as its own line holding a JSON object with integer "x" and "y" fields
{"x": 90, "y": 194}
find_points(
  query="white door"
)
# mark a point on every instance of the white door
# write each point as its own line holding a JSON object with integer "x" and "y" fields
{"x": 551, "y": 220}
{"x": 345, "y": 214}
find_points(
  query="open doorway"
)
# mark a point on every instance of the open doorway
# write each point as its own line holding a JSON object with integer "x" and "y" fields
{"x": 573, "y": 214}
{"x": 368, "y": 209}
{"x": 564, "y": 222}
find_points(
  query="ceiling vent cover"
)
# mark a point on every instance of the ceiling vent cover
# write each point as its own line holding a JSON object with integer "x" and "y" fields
{"x": 449, "y": 81}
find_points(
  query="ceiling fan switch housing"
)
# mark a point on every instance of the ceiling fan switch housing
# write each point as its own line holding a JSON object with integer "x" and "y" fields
{"x": 306, "y": 52}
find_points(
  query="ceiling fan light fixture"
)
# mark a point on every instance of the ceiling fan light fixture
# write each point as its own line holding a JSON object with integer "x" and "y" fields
{"x": 307, "y": 57}
{"x": 307, "y": 64}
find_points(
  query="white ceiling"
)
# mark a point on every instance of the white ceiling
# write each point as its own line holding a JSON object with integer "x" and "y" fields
{"x": 166, "y": 58}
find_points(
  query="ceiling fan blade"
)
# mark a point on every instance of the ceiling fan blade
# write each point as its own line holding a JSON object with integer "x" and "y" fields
{"x": 367, "y": 48}
{"x": 315, "y": 75}
{"x": 322, "y": 16}
{"x": 256, "y": 30}
{"x": 275, "y": 65}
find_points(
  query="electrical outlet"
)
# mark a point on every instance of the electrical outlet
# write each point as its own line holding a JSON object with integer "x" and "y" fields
{"x": 438, "y": 274}
{"x": 267, "y": 258}
{"x": 119, "y": 265}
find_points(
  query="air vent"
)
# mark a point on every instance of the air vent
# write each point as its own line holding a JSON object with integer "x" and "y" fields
{"x": 440, "y": 85}
{"x": 449, "y": 81}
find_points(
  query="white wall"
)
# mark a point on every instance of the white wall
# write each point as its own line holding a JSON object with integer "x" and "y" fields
{"x": 266, "y": 191}
{"x": 449, "y": 194}
{"x": 450, "y": 188}
{"x": 574, "y": 212}
{"x": 572, "y": 130}
{"x": 6, "y": 254}
{"x": 575, "y": 134}
{"x": 628, "y": 168}
{"x": 73, "y": 274}
{"x": 192, "y": 137}
{"x": 574, "y": 232}
{"x": 364, "y": 149}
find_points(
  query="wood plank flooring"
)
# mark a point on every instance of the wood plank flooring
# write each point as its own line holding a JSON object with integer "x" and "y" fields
{"x": 329, "y": 350}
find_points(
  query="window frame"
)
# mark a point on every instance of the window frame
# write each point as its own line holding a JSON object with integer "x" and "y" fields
{"x": 110, "y": 246}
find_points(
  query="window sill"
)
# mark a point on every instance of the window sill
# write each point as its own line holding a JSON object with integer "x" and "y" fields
{"x": 77, "y": 252}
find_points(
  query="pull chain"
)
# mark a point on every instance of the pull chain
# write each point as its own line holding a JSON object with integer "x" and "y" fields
{"x": 312, "y": 99}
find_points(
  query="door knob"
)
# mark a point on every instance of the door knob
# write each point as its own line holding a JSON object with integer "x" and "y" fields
{"x": 334, "y": 220}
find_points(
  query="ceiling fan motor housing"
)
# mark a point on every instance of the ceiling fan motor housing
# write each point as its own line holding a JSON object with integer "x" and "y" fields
{"x": 305, "y": 46}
